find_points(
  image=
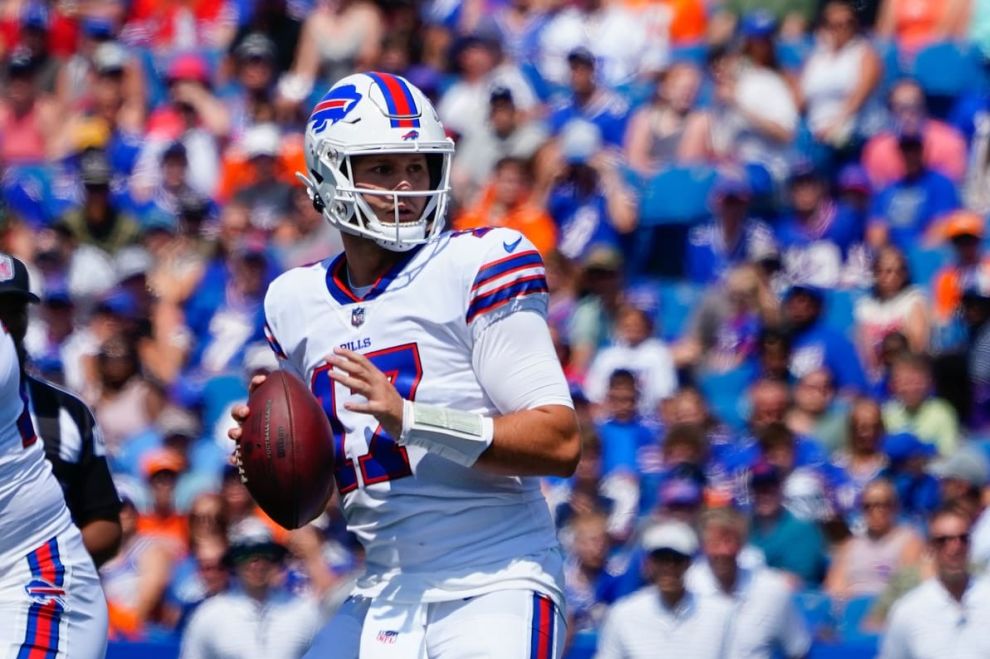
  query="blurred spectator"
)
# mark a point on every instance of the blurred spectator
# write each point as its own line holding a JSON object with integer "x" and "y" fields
{"x": 307, "y": 236}
{"x": 860, "y": 457}
{"x": 793, "y": 17}
{"x": 589, "y": 201}
{"x": 894, "y": 304}
{"x": 919, "y": 23}
{"x": 589, "y": 586}
{"x": 169, "y": 28}
{"x": 765, "y": 621}
{"x": 268, "y": 197}
{"x": 254, "y": 618}
{"x": 816, "y": 412}
{"x": 600, "y": 291}
{"x": 669, "y": 129}
{"x": 480, "y": 68}
{"x": 134, "y": 581}
{"x": 917, "y": 490}
{"x": 250, "y": 96}
{"x": 724, "y": 330}
{"x": 507, "y": 201}
{"x": 205, "y": 577}
{"x": 338, "y": 38}
{"x": 678, "y": 622}
{"x": 193, "y": 115}
{"x": 773, "y": 354}
{"x": 28, "y": 120}
{"x": 517, "y": 24}
{"x": 821, "y": 241}
{"x": 976, "y": 315}
{"x": 638, "y": 351}
{"x": 976, "y": 185}
{"x": 945, "y": 613}
{"x": 100, "y": 222}
{"x": 124, "y": 402}
{"x": 864, "y": 564}
{"x": 732, "y": 238}
{"x": 944, "y": 149}
{"x": 792, "y": 545}
{"x": 754, "y": 116}
{"x": 624, "y": 46}
{"x": 965, "y": 230}
{"x": 238, "y": 506}
{"x": 962, "y": 477}
{"x": 914, "y": 407}
{"x": 839, "y": 76}
{"x": 907, "y": 211}
{"x": 590, "y": 101}
{"x": 855, "y": 190}
{"x": 816, "y": 345}
{"x": 507, "y": 134}
{"x": 163, "y": 522}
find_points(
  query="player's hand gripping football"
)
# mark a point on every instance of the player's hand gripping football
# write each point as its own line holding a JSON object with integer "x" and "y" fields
{"x": 357, "y": 373}
{"x": 240, "y": 414}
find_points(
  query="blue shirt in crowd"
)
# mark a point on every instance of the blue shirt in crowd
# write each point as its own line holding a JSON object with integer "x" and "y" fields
{"x": 582, "y": 220}
{"x": 709, "y": 257}
{"x": 909, "y": 206}
{"x": 820, "y": 346}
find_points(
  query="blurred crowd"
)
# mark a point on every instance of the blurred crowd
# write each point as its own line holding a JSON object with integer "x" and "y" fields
{"x": 764, "y": 224}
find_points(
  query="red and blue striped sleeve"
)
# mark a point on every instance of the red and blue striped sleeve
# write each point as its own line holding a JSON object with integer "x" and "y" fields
{"x": 506, "y": 279}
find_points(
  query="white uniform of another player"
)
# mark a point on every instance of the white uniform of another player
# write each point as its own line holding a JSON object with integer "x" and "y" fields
{"x": 51, "y": 604}
{"x": 460, "y": 562}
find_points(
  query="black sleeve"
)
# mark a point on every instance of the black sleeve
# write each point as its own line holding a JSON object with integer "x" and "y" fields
{"x": 93, "y": 493}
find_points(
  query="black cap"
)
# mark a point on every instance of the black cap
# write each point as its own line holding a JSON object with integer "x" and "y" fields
{"x": 94, "y": 166}
{"x": 764, "y": 473}
{"x": 175, "y": 150}
{"x": 581, "y": 55}
{"x": 500, "y": 94}
{"x": 256, "y": 46}
{"x": 21, "y": 63}
{"x": 14, "y": 279}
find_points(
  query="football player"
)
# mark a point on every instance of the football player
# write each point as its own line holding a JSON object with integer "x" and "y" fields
{"x": 431, "y": 355}
{"x": 50, "y": 595}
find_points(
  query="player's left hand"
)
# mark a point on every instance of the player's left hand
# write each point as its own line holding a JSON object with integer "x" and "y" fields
{"x": 357, "y": 373}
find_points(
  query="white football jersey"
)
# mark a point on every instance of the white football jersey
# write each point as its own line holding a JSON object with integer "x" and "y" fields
{"x": 32, "y": 508}
{"x": 432, "y": 530}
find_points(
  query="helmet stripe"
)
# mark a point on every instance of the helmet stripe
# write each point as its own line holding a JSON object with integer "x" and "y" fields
{"x": 399, "y": 100}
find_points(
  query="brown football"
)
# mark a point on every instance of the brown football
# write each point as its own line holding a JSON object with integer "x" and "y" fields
{"x": 286, "y": 451}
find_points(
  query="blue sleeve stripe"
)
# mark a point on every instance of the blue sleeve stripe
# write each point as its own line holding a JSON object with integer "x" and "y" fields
{"x": 273, "y": 343}
{"x": 497, "y": 268}
{"x": 498, "y": 297}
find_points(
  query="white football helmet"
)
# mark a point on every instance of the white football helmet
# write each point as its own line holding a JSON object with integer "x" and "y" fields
{"x": 370, "y": 113}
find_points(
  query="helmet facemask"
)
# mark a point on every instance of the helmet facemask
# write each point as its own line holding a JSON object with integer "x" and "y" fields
{"x": 344, "y": 205}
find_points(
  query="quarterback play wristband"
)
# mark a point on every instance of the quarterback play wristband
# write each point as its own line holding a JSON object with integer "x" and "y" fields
{"x": 460, "y": 437}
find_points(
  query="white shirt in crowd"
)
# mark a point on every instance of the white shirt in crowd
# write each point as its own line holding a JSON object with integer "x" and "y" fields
{"x": 650, "y": 362}
{"x": 639, "y": 626}
{"x": 765, "y": 619}
{"x": 234, "y": 626}
{"x": 928, "y": 623}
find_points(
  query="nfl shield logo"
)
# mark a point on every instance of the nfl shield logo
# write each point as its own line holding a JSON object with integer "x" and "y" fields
{"x": 6, "y": 268}
{"x": 357, "y": 316}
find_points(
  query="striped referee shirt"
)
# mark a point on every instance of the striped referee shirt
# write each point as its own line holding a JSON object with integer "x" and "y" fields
{"x": 74, "y": 447}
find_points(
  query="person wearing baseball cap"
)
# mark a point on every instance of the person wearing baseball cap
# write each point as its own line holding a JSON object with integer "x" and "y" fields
{"x": 965, "y": 231}
{"x": 664, "y": 619}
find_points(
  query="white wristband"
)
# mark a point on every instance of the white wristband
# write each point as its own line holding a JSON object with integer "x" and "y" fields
{"x": 294, "y": 87}
{"x": 460, "y": 437}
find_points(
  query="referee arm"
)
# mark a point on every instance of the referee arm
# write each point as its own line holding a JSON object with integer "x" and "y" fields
{"x": 74, "y": 447}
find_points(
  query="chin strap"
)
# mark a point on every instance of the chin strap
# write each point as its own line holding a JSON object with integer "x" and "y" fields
{"x": 313, "y": 191}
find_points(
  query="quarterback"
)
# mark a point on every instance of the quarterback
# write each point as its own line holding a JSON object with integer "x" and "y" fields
{"x": 51, "y": 604}
{"x": 430, "y": 353}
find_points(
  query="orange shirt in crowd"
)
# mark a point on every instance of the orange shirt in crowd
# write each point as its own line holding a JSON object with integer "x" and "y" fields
{"x": 947, "y": 290}
{"x": 526, "y": 218}
{"x": 945, "y": 151}
{"x": 174, "y": 529}
{"x": 918, "y": 22}
{"x": 237, "y": 173}
{"x": 688, "y": 20}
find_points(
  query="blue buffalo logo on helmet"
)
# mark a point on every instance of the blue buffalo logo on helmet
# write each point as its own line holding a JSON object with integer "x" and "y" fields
{"x": 42, "y": 592}
{"x": 334, "y": 106}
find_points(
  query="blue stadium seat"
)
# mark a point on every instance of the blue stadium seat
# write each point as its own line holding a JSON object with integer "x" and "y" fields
{"x": 583, "y": 645}
{"x": 924, "y": 262}
{"x": 792, "y": 54}
{"x": 677, "y": 195}
{"x": 851, "y": 620}
{"x": 678, "y": 300}
{"x": 839, "y": 305}
{"x": 944, "y": 69}
{"x": 725, "y": 393}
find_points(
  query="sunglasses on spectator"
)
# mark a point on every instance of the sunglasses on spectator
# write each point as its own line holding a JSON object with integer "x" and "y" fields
{"x": 870, "y": 505}
{"x": 942, "y": 540}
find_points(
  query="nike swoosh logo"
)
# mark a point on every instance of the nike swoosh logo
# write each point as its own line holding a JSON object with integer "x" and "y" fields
{"x": 511, "y": 247}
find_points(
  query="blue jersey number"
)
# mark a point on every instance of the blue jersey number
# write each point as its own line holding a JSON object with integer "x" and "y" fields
{"x": 385, "y": 460}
